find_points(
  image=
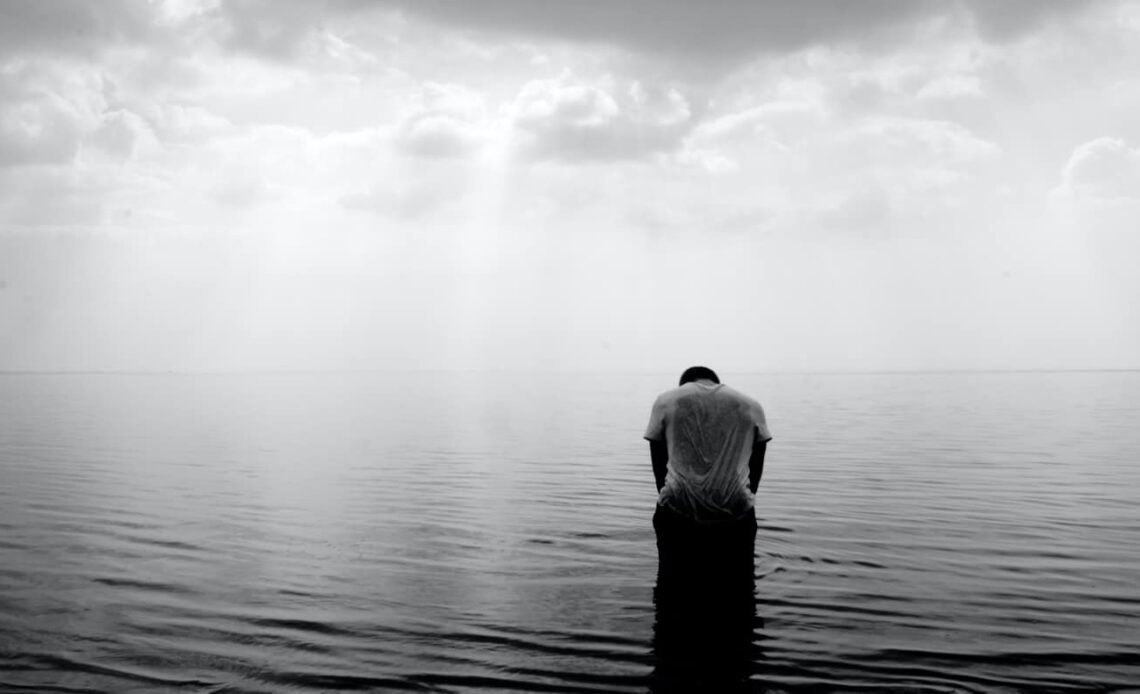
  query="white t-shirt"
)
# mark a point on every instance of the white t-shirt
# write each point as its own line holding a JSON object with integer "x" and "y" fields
{"x": 709, "y": 429}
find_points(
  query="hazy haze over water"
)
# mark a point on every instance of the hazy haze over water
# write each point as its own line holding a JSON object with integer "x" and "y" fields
{"x": 443, "y": 532}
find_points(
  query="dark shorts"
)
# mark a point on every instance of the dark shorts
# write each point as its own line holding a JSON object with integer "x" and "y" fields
{"x": 675, "y": 526}
{"x": 712, "y": 560}
{"x": 683, "y": 544}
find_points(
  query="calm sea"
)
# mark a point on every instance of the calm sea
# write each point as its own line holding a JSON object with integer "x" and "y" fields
{"x": 481, "y": 532}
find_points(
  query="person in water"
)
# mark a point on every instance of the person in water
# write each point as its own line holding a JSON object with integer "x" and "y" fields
{"x": 707, "y": 442}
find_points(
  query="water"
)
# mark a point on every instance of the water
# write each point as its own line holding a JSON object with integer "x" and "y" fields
{"x": 435, "y": 532}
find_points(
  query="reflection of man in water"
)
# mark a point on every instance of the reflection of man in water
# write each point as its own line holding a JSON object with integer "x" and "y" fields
{"x": 707, "y": 442}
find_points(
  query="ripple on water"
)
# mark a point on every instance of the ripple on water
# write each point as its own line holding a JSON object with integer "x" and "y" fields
{"x": 315, "y": 532}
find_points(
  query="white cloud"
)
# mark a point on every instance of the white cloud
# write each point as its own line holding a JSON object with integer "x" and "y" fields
{"x": 926, "y": 139}
{"x": 46, "y": 108}
{"x": 1105, "y": 168}
{"x": 719, "y": 144}
{"x": 780, "y": 120}
{"x": 957, "y": 86}
{"x": 447, "y": 121}
{"x": 571, "y": 120}
{"x": 120, "y": 134}
{"x": 63, "y": 144}
{"x": 815, "y": 169}
{"x": 184, "y": 124}
{"x": 38, "y": 130}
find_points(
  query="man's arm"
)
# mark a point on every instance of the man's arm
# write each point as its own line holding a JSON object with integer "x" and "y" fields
{"x": 659, "y": 453}
{"x": 756, "y": 462}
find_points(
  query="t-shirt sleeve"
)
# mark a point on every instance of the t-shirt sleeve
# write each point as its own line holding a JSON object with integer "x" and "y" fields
{"x": 761, "y": 422}
{"x": 656, "y": 429}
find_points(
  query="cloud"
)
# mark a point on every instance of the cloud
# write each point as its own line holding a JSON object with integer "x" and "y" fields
{"x": 784, "y": 132}
{"x": 778, "y": 124}
{"x": 272, "y": 29}
{"x": 715, "y": 33}
{"x": 724, "y": 32}
{"x": 1012, "y": 19}
{"x": 1105, "y": 168}
{"x": 66, "y": 153}
{"x": 253, "y": 166}
{"x": 448, "y": 121}
{"x": 799, "y": 167}
{"x": 76, "y": 27}
{"x": 689, "y": 35}
{"x": 570, "y": 120}
{"x": 120, "y": 134}
{"x": 931, "y": 140}
{"x": 184, "y": 124}
{"x": 44, "y": 113}
{"x": 38, "y": 130}
{"x": 721, "y": 28}
{"x": 51, "y": 111}
{"x": 952, "y": 87}
{"x": 895, "y": 168}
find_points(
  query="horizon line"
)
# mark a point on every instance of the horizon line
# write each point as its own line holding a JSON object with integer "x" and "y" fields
{"x": 794, "y": 372}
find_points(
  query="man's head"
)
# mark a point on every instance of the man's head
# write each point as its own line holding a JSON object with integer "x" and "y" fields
{"x": 698, "y": 373}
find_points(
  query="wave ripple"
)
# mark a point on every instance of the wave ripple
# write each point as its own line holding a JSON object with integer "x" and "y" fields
{"x": 462, "y": 532}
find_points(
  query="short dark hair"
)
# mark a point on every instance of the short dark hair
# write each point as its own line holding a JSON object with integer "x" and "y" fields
{"x": 697, "y": 373}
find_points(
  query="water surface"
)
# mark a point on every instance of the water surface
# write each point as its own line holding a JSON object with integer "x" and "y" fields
{"x": 463, "y": 532}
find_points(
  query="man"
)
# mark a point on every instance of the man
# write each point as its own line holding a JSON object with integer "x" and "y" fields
{"x": 707, "y": 442}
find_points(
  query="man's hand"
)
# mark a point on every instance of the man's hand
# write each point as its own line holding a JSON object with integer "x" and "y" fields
{"x": 659, "y": 454}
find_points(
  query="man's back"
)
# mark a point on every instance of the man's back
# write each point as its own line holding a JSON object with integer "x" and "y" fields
{"x": 708, "y": 430}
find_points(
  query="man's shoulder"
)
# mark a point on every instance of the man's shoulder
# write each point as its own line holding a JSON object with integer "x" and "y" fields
{"x": 730, "y": 392}
{"x": 669, "y": 396}
{"x": 669, "y": 399}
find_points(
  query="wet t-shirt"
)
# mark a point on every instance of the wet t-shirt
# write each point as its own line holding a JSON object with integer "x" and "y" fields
{"x": 709, "y": 429}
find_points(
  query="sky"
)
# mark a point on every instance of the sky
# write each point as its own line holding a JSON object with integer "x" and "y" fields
{"x": 522, "y": 185}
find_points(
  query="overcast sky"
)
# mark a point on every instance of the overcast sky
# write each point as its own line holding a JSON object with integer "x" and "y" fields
{"x": 541, "y": 184}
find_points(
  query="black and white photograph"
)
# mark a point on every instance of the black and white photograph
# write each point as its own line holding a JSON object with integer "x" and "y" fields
{"x": 654, "y": 346}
